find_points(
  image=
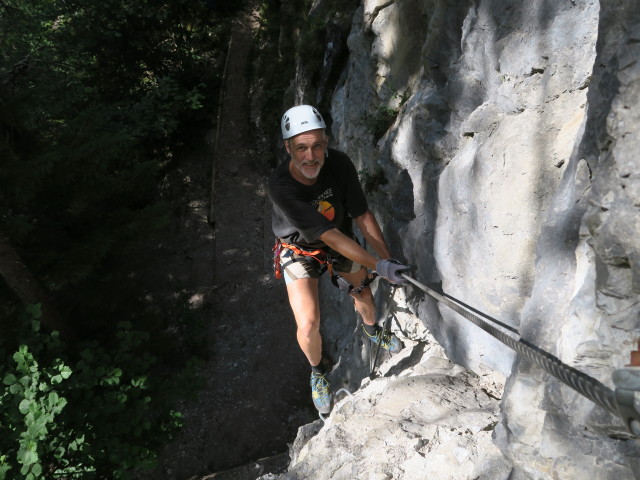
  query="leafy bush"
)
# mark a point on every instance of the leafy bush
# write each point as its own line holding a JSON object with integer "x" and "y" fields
{"x": 379, "y": 123}
{"x": 95, "y": 101}
{"x": 385, "y": 116}
{"x": 372, "y": 179}
{"x": 99, "y": 415}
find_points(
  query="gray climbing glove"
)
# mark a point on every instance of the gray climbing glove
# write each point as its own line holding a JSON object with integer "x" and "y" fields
{"x": 391, "y": 270}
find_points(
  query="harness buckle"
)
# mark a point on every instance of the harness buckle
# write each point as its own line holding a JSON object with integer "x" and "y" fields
{"x": 342, "y": 284}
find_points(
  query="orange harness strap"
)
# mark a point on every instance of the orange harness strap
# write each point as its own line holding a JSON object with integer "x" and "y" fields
{"x": 323, "y": 258}
{"x": 319, "y": 255}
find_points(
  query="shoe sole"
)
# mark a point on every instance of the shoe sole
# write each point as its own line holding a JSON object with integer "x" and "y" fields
{"x": 323, "y": 411}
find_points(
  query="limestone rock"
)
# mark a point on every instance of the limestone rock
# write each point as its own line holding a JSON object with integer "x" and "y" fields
{"x": 433, "y": 419}
{"x": 509, "y": 145}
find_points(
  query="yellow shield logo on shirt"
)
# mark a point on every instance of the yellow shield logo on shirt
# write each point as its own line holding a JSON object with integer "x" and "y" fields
{"x": 326, "y": 209}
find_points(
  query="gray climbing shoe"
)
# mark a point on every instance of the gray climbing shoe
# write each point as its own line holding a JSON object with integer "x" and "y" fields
{"x": 320, "y": 392}
{"x": 388, "y": 340}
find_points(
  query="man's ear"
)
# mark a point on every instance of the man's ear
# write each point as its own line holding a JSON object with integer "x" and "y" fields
{"x": 286, "y": 145}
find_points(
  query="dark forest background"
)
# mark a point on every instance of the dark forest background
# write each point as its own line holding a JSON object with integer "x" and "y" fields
{"x": 100, "y": 103}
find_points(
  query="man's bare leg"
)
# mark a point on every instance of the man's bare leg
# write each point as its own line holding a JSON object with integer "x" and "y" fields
{"x": 303, "y": 298}
{"x": 363, "y": 301}
{"x": 366, "y": 307}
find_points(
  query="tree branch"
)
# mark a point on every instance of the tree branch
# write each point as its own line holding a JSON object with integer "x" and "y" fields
{"x": 27, "y": 288}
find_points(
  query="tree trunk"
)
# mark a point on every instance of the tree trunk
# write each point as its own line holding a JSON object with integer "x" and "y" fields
{"x": 26, "y": 287}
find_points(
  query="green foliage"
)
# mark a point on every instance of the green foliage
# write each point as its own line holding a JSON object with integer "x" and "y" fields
{"x": 37, "y": 406}
{"x": 272, "y": 76}
{"x": 371, "y": 180}
{"x": 311, "y": 44}
{"x": 95, "y": 98}
{"x": 98, "y": 415}
{"x": 379, "y": 123}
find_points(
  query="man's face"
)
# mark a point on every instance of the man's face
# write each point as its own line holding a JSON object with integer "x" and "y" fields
{"x": 307, "y": 153}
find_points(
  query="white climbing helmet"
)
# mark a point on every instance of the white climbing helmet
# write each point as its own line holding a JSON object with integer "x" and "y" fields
{"x": 300, "y": 119}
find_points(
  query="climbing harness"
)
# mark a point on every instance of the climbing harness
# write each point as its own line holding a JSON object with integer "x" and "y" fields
{"x": 323, "y": 258}
{"x": 623, "y": 402}
{"x": 319, "y": 255}
{"x": 348, "y": 288}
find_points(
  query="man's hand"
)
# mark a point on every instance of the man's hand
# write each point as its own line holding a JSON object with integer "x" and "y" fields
{"x": 391, "y": 270}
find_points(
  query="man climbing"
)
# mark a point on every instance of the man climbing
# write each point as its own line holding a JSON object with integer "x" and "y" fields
{"x": 315, "y": 196}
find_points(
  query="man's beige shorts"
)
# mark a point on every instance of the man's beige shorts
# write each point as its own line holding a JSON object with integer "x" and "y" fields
{"x": 302, "y": 266}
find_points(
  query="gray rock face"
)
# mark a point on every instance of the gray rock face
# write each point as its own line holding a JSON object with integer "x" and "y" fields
{"x": 424, "y": 418}
{"x": 433, "y": 420}
{"x": 499, "y": 142}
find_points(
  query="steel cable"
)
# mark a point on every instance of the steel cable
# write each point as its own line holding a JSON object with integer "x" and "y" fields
{"x": 587, "y": 386}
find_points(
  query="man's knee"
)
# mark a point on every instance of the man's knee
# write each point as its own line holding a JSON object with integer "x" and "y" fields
{"x": 308, "y": 327}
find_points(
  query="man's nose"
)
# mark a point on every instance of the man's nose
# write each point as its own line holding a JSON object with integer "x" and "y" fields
{"x": 308, "y": 154}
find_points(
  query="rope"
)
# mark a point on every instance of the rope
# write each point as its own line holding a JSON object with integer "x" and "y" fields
{"x": 478, "y": 312}
{"x": 588, "y": 386}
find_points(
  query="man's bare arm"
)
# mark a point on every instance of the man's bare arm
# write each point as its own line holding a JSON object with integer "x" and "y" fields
{"x": 349, "y": 248}
{"x": 373, "y": 234}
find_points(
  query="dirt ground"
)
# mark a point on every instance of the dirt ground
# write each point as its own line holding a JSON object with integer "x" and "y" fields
{"x": 256, "y": 391}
